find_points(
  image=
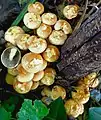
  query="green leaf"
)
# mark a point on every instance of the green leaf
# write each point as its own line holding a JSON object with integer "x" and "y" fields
{"x": 85, "y": 114}
{"x": 32, "y": 112}
{"x": 27, "y": 111}
{"x": 95, "y": 113}
{"x": 4, "y": 115}
{"x": 41, "y": 109}
{"x": 57, "y": 111}
{"x": 10, "y": 104}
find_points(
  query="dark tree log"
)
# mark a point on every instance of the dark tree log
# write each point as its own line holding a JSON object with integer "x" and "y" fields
{"x": 84, "y": 61}
{"x": 82, "y": 51}
{"x": 9, "y": 9}
{"x": 87, "y": 30}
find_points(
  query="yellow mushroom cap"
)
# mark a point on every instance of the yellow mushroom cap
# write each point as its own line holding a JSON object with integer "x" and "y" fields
{"x": 22, "y": 88}
{"x": 48, "y": 79}
{"x": 21, "y": 41}
{"x": 44, "y": 31}
{"x": 36, "y": 8}
{"x": 23, "y": 75}
{"x": 32, "y": 21}
{"x": 88, "y": 80}
{"x": 12, "y": 32}
{"x": 58, "y": 91}
{"x": 49, "y": 76}
{"x": 74, "y": 108}
{"x": 95, "y": 83}
{"x": 71, "y": 11}
{"x": 35, "y": 85}
{"x": 63, "y": 25}
{"x": 82, "y": 94}
{"x": 49, "y": 18}
{"x": 38, "y": 76}
{"x": 50, "y": 70}
{"x": 9, "y": 79}
{"x": 36, "y": 45}
{"x": 31, "y": 39}
{"x": 8, "y": 44}
{"x": 92, "y": 76}
{"x": 32, "y": 62}
{"x": 13, "y": 71}
{"x": 57, "y": 37}
{"x": 46, "y": 92}
{"x": 51, "y": 54}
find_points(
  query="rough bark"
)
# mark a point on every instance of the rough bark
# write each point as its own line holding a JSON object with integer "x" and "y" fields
{"x": 87, "y": 30}
{"x": 81, "y": 54}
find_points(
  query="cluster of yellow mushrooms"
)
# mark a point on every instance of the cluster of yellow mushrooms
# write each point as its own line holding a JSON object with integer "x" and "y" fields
{"x": 33, "y": 69}
{"x": 74, "y": 106}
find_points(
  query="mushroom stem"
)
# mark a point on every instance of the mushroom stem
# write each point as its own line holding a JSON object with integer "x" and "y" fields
{"x": 12, "y": 53}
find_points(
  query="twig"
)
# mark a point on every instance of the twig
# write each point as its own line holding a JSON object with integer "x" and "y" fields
{"x": 92, "y": 10}
{"x": 82, "y": 17}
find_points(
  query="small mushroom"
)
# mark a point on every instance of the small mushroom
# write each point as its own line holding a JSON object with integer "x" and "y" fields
{"x": 10, "y": 57}
{"x": 82, "y": 94}
{"x": 46, "y": 92}
{"x": 44, "y": 31}
{"x": 46, "y": 100}
{"x": 36, "y": 45}
{"x": 32, "y": 62}
{"x": 74, "y": 108}
{"x": 22, "y": 88}
{"x": 23, "y": 75}
{"x": 57, "y": 37}
{"x": 95, "y": 83}
{"x": 13, "y": 71}
{"x": 8, "y": 44}
{"x": 32, "y": 21}
{"x": 51, "y": 54}
{"x": 35, "y": 85}
{"x": 58, "y": 91}
{"x": 63, "y": 25}
{"x": 21, "y": 41}
{"x": 50, "y": 70}
{"x": 9, "y": 79}
{"x": 49, "y": 77}
{"x": 88, "y": 80}
{"x": 36, "y": 8}
{"x": 92, "y": 76}
{"x": 11, "y": 34}
{"x": 38, "y": 76}
{"x": 71, "y": 11}
{"x": 49, "y": 18}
